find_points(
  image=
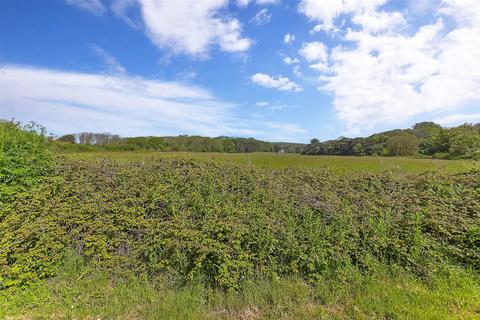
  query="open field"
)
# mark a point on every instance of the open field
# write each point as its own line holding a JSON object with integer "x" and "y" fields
{"x": 338, "y": 164}
{"x": 228, "y": 236}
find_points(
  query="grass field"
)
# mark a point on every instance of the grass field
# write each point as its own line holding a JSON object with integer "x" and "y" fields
{"x": 338, "y": 164}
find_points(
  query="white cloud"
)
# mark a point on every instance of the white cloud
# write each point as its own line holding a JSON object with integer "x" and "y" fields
{"x": 269, "y": 106}
{"x": 314, "y": 51}
{"x": 280, "y": 83}
{"x": 327, "y": 11}
{"x": 71, "y": 102}
{"x": 323, "y": 27}
{"x": 262, "y": 17}
{"x": 456, "y": 119}
{"x": 379, "y": 21}
{"x": 110, "y": 61}
{"x": 68, "y": 102}
{"x": 288, "y": 61}
{"x": 182, "y": 27}
{"x": 466, "y": 12}
{"x": 93, "y": 6}
{"x": 191, "y": 27}
{"x": 244, "y": 3}
{"x": 296, "y": 71}
{"x": 262, "y": 2}
{"x": 289, "y": 38}
{"x": 383, "y": 75}
{"x": 121, "y": 9}
{"x": 320, "y": 66}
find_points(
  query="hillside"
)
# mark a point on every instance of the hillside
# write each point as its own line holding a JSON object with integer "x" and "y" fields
{"x": 423, "y": 139}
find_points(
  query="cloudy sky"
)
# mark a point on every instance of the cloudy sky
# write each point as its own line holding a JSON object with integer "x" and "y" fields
{"x": 277, "y": 70}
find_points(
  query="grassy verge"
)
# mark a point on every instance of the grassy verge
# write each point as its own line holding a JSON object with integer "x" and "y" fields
{"x": 82, "y": 293}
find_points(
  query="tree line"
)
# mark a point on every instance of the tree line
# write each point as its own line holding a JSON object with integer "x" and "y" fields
{"x": 423, "y": 139}
{"x": 87, "y": 141}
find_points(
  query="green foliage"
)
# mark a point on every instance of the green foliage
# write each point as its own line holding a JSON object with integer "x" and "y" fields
{"x": 107, "y": 142}
{"x": 224, "y": 225}
{"x": 24, "y": 157}
{"x": 464, "y": 141}
{"x": 425, "y": 138}
{"x": 402, "y": 145}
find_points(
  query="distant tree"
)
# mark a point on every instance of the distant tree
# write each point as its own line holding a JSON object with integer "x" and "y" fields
{"x": 426, "y": 129}
{"x": 402, "y": 145}
{"x": 67, "y": 138}
{"x": 464, "y": 141}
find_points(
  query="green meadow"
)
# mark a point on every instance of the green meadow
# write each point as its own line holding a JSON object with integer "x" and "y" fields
{"x": 339, "y": 164}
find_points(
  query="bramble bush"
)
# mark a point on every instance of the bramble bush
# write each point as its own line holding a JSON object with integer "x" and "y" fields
{"x": 24, "y": 156}
{"x": 191, "y": 220}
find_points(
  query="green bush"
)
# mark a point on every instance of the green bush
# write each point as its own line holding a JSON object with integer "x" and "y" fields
{"x": 24, "y": 156}
{"x": 222, "y": 225}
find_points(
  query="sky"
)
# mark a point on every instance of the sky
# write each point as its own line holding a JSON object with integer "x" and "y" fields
{"x": 275, "y": 70}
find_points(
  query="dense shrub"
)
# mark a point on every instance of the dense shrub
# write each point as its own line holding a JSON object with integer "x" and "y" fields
{"x": 24, "y": 156}
{"x": 223, "y": 225}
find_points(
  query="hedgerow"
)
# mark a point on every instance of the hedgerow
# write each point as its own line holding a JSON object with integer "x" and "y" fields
{"x": 190, "y": 220}
{"x": 25, "y": 157}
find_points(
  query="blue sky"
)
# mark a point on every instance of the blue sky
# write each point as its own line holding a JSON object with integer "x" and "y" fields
{"x": 271, "y": 69}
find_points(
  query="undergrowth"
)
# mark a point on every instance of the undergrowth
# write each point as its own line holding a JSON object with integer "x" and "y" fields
{"x": 222, "y": 225}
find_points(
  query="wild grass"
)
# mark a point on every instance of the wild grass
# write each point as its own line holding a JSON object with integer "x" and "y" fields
{"x": 339, "y": 164}
{"x": 79, "y": 292}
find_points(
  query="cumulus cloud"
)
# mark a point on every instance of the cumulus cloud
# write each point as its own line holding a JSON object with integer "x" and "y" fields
{"x": 326, "y": 11}
{"x": 384, "y": 75}
{"x": 376, "y": 21}
{"x": 192, "y": 27}
{"x": 93, "y": 6}
{"x": 182, "y": 27}
{"x": 280, "y": 83}
{"x": 289, "y": 38}
{"x": 288, "y": 61}
{"x": 314, "y": 51}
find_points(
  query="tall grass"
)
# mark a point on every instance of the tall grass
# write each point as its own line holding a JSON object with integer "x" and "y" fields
{"x": 79, "y": 292}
